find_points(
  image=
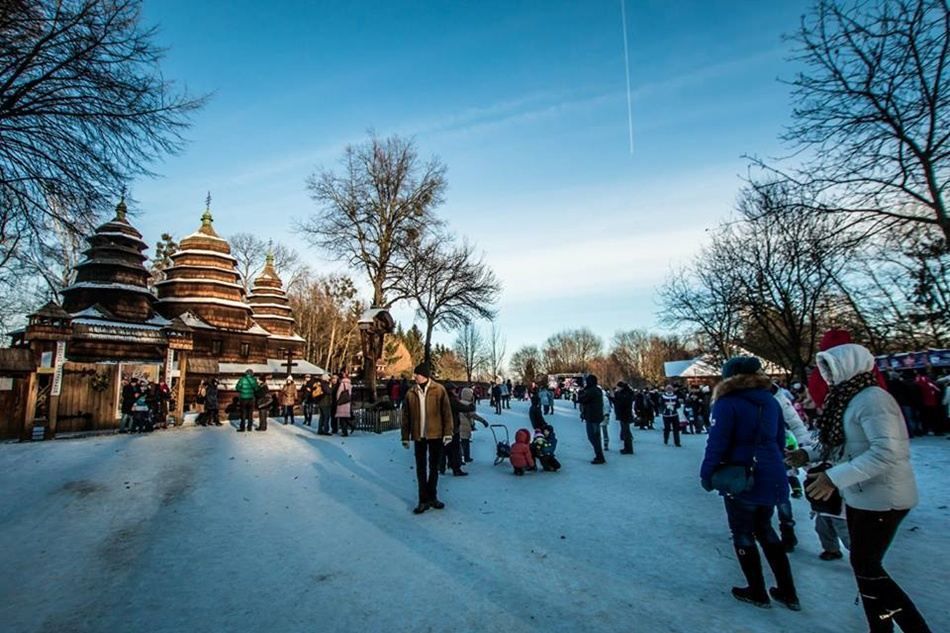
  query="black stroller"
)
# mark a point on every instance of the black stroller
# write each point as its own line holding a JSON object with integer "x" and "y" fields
{"x": 502, "y": 447}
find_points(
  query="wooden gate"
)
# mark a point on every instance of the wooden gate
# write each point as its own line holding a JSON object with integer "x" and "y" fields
{"x": 89, "y": 397}
{"x": 12, "y": 406}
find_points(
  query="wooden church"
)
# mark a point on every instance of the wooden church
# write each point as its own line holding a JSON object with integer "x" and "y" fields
{"x": 65, "y": 369}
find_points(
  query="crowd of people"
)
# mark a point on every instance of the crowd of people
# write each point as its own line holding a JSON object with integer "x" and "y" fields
{"x": 846, "y": 426}
{"x": 144, "y": 405}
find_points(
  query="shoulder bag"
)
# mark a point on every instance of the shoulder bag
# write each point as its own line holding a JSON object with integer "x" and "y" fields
{"x": 733, "y": 479}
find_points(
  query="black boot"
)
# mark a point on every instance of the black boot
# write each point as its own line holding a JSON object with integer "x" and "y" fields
{"x": 422, "y": 507}
{"x": 885, "y": 602}
{"x": 782, "y": 570}
{"x": 751, "y": 566}
{"x": 789, "y": 540}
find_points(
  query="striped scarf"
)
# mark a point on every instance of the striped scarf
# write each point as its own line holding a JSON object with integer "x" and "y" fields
{"x": 831, "y": 423}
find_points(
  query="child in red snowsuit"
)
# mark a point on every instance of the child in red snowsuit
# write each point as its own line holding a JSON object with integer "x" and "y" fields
{"x": 521, "y": 457}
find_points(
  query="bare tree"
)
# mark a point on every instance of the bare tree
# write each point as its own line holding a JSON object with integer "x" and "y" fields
{"x": 704, "y": 298}
{"x": 469, "y": 348}
{"x": 377, "y": 207}
{"x": 496, "y": 349}
{"x": 526, "y": 364}
{"x": 84, "y": 108}
{"x": 571, "y": 350}
{"x": 640, "y": 356}
{"x": 251, "y": 252}
{"x": 449, "y": 285}
{"x": 872, "y": 110}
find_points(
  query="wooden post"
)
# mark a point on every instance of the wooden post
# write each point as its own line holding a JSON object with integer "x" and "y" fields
{"x": 180, "y": 396}
{"x": 29, "y": 414}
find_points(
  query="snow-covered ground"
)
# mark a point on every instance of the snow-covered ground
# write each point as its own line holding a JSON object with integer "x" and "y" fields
{"x": 211, "y": 530}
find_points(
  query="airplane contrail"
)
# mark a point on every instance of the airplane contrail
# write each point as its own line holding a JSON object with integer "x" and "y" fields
{"x": 626, "y": 61}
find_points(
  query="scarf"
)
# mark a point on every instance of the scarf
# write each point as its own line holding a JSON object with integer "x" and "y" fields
{"x": 831, "y": 422}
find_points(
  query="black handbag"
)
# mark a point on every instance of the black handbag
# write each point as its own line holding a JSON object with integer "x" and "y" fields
{"x": 832, "y": 505}
{"x": 734, "y": 479}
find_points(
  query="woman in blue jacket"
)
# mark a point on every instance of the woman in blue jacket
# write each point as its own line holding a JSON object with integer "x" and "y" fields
{"x": 747, "y": 428}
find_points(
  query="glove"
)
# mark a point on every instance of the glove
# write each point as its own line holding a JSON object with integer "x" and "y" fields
{"x": 446, "y": 440}
{"x": 405, "y": 443}
{"x": 706, "y": 484}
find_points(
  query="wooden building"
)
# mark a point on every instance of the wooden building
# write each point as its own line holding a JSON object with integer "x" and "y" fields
{"x": 65, "y": 370}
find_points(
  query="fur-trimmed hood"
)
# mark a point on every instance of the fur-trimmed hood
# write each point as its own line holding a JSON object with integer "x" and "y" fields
{"x": 843, "y": 362}
{"x": 741, "y": 382}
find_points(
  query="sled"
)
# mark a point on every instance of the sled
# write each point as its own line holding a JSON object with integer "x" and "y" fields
{"x": 502, "y": 447}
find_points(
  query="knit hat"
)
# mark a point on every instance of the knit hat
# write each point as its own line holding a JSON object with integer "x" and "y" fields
{"x": 834, "y": 338}
{"x": 741, "y": 365}
{"x": 422, "y": 370}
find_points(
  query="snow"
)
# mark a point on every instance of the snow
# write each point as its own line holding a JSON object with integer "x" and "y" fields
{"x": 208, "y": 530}
{"x": 200, "y": 251}
{"x": 108, "y": 286}
{"x": 199, "y": 280}
{"x": 216, "y": 301}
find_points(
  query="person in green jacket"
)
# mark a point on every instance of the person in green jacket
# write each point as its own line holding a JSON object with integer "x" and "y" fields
{"x": 246, "y": 388}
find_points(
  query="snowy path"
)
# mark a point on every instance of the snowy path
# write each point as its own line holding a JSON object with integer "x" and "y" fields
{"x": 211, "y": 530}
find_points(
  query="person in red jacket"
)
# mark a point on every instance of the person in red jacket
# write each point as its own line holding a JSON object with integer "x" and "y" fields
{"x": 817, "y": 387}
{"x": 521, "y": 457}
{"x": 930, "y": 413}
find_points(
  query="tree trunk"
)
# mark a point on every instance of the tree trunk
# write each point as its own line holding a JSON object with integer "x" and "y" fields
{"x": 427, "y": 352}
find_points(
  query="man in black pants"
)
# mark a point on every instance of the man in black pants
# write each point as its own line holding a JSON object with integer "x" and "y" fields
{"x": 623, "y": 405}
{"x": 427, "y": 420}
{"x": 671, "y": 416}
{"x": 591, "y": 399}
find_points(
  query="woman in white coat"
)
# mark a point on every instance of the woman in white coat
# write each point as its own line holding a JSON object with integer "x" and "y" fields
{"x": 862, "y": 433}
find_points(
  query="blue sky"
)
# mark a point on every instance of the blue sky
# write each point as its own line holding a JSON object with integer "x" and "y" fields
{"x": 524, "y": 101}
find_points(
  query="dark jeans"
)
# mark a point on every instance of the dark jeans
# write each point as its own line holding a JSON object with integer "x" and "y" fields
{"x": 785, "y": 519}
{"x": 247, "y": 412}
{"x": 308, "y": 408}
{"x": 288, "y": 414}
{"x": 750, "y": 523}
{"x": 261, "y": 420}
{"x": 884, "y": 601}
{"x": 452, "y": 454}
{"x": 466, "y": 450}
{"x": 593, "y": 436}
{"x": 498, "y": 406}
{"x": 626, "y": 436}
{"x": 671, "y": 423}
{"x": 346, "y": 425}
{"x": 428, "y": 453}
{"x": 324, "y": 423}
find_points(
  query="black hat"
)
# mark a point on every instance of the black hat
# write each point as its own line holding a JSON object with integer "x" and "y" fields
{"x": 422, "y": 370}
{"x": 741, "y": 365}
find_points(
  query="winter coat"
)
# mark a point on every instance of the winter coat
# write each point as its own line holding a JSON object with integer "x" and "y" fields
{"x": 129, "y": 395}
{"x": 439, "y": 419}
{"x": 745, "y": 410}
{"x": 874, "y": 471}
{"x": 288, "y": 394}
{"x": 458, "y": 409}
{"x": 946, "y": 398}
{"x": 591, "y": 400}
{"x": 623, "y": 403}
{"x": 467, "y": 419}
{"x": 929, "y": 391}
{"x": 344, "y": 397}
{"x": 246, "y": 387}
{"x": 211, "y": 397}
{"x": 817, "y": 386}
{"x": 536, "y": 418}
{"x": 793, "y": 421}
{"x": 307, "y": 391}
{"x": 547, "y": 398}
{"x": 521, "y": 456}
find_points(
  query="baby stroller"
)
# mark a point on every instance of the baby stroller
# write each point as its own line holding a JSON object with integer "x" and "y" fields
{"x": 502, "y": 447}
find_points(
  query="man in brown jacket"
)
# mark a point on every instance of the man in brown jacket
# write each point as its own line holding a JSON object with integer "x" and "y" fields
{"x": 427, "y": 420}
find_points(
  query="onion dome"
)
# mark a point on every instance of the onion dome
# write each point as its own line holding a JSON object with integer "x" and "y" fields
{"x": 203, "y": 279}
{"x": 269, "y": 302}
{"x": 113, "y": 273}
